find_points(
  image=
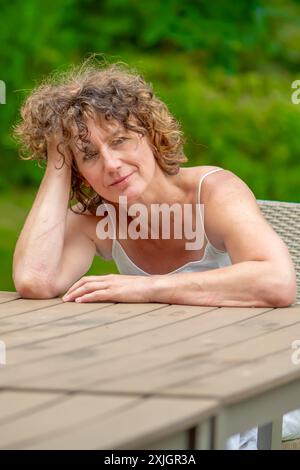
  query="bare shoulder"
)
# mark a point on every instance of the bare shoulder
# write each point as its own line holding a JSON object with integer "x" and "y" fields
{"x": 223, "y": 192}
{"x": 225, "y": 184}
{"x": 211, "y": 176}
{"x": 233, "y": 214}
{"x": 226, "y": 192}
{"x": 220, "y": 183}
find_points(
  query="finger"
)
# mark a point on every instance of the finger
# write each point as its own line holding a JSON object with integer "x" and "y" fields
{"x": 96, "y": 296}
{"x": 84, "y": 289}
{"x": 83, "y": 281}
{"x": 75, "y": 286}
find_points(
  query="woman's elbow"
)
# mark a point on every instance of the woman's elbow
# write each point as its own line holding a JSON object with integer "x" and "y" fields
{"x": 288, "y": 297}
{"x": 284, "y": 293}
{"x": 31, "y": 288}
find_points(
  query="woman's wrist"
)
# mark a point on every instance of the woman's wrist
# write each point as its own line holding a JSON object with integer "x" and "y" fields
{"x": 58, "y": 160}
{"x": 158, "y": 286}
{"x": 58, "y": 167}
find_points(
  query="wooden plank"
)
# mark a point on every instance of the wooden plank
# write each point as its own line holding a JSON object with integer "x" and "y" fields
{"x": 21, "y": 306}
{"x": 67, "y": 315}
{"x": 88, "y": 315}
{"x": 263, "y": 371}
{"x": 156, "y": 367}
{"x": 186, "y": 362}
{"x": 15, "y": 404}
{"x": 241, "y": 382}
{"x": 200, "y": 364}
{"x": 131, "y": 337}
{"x": 58, "y": 417}
{"x": 138, "y": 426}
{"x": 63, "y": 335}
{"x": 6, "y": 296}
{"x": 71, "y": 320}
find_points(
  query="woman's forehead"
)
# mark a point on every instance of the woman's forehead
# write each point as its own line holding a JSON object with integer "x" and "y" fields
{"x": 104, "y": 128}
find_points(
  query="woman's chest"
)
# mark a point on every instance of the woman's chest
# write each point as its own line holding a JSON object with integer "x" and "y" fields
{"x": 161, "y": 257}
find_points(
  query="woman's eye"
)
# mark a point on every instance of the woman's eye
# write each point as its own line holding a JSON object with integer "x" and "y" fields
{"x": 90, "y": 156}
{"x": 119, "y": 141}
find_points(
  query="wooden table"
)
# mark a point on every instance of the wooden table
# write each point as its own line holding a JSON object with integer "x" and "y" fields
{"x": 130, "y": 376}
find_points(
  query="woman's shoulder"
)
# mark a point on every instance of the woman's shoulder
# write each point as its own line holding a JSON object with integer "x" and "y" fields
{"x": 202, "y": 170}
{"x": 220, "y": 183}
{"x": 197, "y": 172}
{"x": 215, "y": 186}
{"x": 210, "y": 176}
{"x": 215, "y": 172}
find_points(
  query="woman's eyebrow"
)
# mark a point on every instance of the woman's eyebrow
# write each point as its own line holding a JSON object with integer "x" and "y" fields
{"x": 81, "y": 152}
{"x": 117, "y": 132}
{"x": 93, "y": 147}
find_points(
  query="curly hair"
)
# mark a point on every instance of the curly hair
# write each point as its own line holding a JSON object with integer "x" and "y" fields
{"x": 111, "y": 92}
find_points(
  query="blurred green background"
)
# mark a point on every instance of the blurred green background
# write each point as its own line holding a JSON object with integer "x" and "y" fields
{"x": 224, "y": 68}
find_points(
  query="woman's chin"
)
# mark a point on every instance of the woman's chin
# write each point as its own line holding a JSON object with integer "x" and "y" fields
{"x": 131, "y": 194}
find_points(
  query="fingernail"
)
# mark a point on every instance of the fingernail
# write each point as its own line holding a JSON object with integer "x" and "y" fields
{"x": 66, "y": 298}
{"x": 78, "y": 299}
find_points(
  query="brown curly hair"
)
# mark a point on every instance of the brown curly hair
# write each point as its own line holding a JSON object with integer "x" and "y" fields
{"x": 114, "y": 91}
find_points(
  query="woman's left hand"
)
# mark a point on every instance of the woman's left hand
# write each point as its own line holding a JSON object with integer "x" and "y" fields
{"x": 110, "y": 288}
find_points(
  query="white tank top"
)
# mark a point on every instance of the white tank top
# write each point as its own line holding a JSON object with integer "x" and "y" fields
{"x": 211, "y": 259}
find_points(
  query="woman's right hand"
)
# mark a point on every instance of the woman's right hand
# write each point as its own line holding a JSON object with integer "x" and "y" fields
{"x": 54, "y": 157}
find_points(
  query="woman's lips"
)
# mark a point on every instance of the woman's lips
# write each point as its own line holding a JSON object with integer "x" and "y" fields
{"x": 122, "y": 181}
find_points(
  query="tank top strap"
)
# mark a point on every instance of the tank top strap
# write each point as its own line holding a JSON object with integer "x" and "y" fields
{"x": 201, "y": 208}
{"x": 202, "y": 178}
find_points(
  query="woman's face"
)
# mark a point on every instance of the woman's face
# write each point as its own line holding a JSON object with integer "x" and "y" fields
{"x": 116, "y": 153}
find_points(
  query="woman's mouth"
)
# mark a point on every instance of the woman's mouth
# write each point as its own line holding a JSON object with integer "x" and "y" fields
{"x": 122, "y": 181}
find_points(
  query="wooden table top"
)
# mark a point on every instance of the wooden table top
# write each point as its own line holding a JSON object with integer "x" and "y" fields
{"x": 144, "y": 369}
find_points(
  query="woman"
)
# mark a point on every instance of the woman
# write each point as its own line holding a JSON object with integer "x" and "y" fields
{"x": 109, "y": 139}
{"x": 96, "y": 126}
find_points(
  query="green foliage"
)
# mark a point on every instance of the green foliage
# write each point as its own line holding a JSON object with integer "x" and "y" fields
{"x": 224, "y": 68}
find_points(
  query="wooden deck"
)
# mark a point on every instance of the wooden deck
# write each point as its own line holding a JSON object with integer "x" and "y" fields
{"x": 129, "y": 376}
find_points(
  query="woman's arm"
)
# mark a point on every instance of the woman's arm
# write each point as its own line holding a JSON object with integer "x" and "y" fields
{"x": 46, "y": 258}
{"x": 262, "y": 273}
{"x": 39, "y": 247}
{"x": 247, "y": 284}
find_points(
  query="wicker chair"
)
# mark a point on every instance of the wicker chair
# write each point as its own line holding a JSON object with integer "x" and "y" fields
{"x": 285, "y": 220}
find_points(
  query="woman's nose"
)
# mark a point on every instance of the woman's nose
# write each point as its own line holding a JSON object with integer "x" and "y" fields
{"x": 110, "y": 161}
